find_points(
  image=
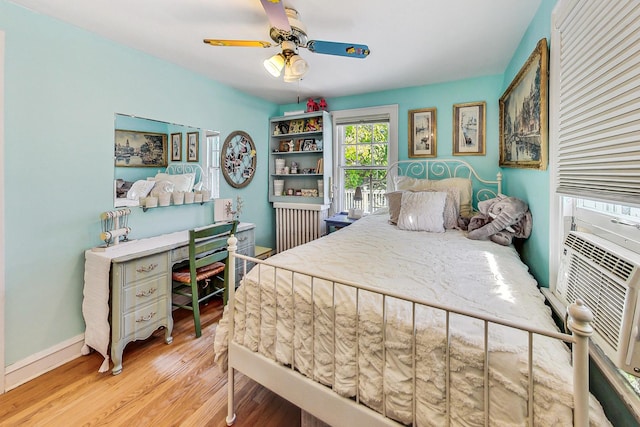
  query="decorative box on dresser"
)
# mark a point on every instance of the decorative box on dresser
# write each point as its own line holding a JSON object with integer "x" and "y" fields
{"x": 130, "y": 285}
{"x": 300, "y": 168}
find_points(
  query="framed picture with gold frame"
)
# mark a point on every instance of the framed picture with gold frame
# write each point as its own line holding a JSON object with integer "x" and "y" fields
{"x": 422, "y": 132}
{"x": 524, "y": 114}
{"x": 140, "y": 149}
{"x": 192, "y": 146}
{"x": 469, "y": 129}
{"x": 176, "y": 147}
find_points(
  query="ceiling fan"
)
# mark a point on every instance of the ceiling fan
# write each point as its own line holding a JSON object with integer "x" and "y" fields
{"x": 288, "y": 32}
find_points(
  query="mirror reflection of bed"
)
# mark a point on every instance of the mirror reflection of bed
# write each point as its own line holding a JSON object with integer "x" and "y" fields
{"x": 160, "y": 176}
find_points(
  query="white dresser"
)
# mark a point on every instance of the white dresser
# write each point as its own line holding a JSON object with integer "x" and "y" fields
{"x": 136, "y": 277}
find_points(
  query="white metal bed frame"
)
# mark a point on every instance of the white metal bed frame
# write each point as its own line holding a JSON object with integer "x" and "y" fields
{"x": 316, "y": 398}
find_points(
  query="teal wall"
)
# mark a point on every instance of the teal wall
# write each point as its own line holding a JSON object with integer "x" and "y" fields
{"x": 62, "y": 88}
{"x": 526, "y": 184}
{"x": 442, "y": 97}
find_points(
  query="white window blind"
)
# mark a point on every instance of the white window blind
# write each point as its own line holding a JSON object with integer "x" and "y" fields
{"x": 598, "y": 152}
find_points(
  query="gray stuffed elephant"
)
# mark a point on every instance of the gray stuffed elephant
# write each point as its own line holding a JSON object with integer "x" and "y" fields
{"x": 501, "y": 219}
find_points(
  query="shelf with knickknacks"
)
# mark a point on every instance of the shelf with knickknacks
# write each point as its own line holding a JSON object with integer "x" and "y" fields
{"x": 300, "y": 153}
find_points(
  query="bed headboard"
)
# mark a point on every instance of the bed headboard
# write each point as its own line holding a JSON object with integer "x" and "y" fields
{"x": 442, "y": 168}
{"x": 180, "y": 168}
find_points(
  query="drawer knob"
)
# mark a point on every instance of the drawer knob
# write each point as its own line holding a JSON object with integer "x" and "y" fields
{"x": 146, "y": 292}
{"x": 146, "y": 269}
{"x": 146, "y": 318}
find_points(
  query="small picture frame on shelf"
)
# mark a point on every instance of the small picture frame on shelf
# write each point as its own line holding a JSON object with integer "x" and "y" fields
{"x": 282, "y": 128}
{"x": 297, "y": 145}
{"x": 296, "y": 126}
{"x": 309, "y": 145}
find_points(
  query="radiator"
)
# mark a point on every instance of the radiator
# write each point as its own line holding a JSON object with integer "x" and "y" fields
{"x": 298, "y": 224}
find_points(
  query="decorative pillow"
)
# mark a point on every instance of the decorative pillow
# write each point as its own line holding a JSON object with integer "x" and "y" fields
{"x": 181, "y": 182}
{"x": 463, "y": 185}
{"x": 414, "y": 184}
{"x": 139, "y": 189}
{"x": 452, "y": 202}
{"x": 394, "y": 200}
{"x": 422, "y": 211}
{"x": 162, "y": 187}
{"x": 451, "y": 208}
{"x": 122, "y": 187}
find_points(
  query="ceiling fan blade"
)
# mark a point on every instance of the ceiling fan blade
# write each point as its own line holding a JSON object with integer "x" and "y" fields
{"x": 237, "y": 43}
{"x": 350, "y": 50}
{"x": 276, "y": 14}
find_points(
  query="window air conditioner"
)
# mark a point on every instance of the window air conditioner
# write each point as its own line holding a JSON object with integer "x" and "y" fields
{"x": 606, "y": 277}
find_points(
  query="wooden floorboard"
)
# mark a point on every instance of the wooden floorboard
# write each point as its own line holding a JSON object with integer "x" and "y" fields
{"x": 160, "y": 385}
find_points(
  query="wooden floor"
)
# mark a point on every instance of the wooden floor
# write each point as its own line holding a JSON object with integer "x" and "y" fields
{"x": 160, "y": 385}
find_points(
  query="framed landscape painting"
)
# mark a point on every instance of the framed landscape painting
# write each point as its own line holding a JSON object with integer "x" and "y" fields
{"x": 524, "y": 114}
{"x": 422, "y": 132}
{"x": 140, "y": 149}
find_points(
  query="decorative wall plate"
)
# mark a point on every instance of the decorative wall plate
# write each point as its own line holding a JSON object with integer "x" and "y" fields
{"x": 238, "y": 159}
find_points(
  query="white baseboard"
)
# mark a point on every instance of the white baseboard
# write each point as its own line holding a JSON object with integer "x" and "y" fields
{"x": 42, "y": 362}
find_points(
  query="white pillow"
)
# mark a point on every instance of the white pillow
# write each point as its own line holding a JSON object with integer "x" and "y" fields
{"x": 181, "y": 182}
{"x": 463, "y": 185}
{"x": 422, "y": 211}
{"x": 139, "y": 189}
{"x": 162, "y": 187}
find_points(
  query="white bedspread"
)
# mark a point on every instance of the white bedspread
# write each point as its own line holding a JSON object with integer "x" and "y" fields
{"x": 446, "y": 268}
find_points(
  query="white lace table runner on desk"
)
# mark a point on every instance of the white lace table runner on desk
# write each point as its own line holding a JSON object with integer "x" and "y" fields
{"x": 95, "y": 304}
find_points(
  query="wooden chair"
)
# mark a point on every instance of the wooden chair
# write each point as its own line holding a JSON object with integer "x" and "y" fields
{"x": 208, "y": 261}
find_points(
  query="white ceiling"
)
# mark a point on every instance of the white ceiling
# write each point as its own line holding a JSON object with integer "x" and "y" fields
{"x": 412, "y": 42}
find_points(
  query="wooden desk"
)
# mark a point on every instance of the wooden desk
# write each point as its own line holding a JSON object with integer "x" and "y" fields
{"x": 127, "y": 290}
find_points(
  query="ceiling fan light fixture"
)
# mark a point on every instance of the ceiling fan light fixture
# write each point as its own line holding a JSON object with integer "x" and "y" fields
{"x": 295, "y": 69}
{"x": 275, "y": 64}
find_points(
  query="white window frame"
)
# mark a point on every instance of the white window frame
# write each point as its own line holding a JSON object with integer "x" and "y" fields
{"x": 212, "y": 163}
{"x": 361, "y": 113}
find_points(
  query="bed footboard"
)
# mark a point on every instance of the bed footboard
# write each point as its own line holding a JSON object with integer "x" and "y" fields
{"x": 396, "y": 394}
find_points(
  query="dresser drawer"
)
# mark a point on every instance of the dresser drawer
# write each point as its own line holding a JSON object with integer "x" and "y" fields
{"x": 146, "y": 267}
{"x": 145, "y": 318}
{"x": 246, "y": 246}
{"x": 144, "y": 291}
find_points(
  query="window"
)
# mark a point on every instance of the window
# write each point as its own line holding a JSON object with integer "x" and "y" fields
{"x": 212, "y": 164}
{"x": 366, "y": 143}
{"x": 594, "y": 114}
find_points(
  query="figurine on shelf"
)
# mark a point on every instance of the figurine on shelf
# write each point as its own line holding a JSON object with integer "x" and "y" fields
{"x": 312, "y": 105}
{"x": 323, "y": 105}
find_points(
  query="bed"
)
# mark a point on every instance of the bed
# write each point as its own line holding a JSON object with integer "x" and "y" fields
{"x": 376, "y": 325}
{"x": 177, "y": 177}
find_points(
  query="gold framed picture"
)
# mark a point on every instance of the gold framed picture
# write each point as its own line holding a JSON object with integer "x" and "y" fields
{"x": 140, "y": 149}
{"x": 524, "y": 114}
{"x": 422, "y": 132}
{"x": 192, "y": 146}
{"x": 469, "y": 129}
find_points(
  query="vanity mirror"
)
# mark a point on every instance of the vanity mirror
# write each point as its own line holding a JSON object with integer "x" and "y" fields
{"x": 147, "y": 156}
